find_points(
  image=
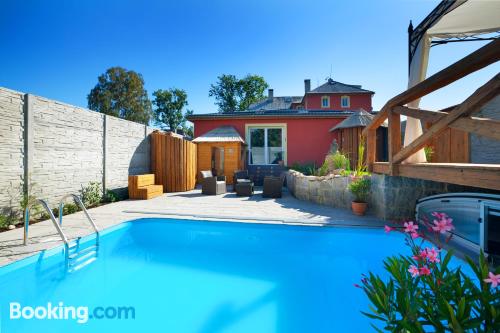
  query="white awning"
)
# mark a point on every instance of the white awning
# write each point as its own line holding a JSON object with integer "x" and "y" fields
{"x": 467, "y": 18}
{"x": 463, "y": 18}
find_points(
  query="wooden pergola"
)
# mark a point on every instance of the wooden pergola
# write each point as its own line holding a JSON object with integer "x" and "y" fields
{"x": 458, "y": 117}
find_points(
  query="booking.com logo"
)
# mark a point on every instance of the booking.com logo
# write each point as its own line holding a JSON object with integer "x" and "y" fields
{"x": 81, "y": 314}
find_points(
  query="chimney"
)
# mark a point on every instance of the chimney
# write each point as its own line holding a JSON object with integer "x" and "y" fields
{"x": 307, "y": 85}
{"x": 270, "y": 93}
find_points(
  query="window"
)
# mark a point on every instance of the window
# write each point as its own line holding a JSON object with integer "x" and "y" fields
{"x": 266, "y": 145}
{"x": 345, "y": 101}
{"x": 325, "y": 102}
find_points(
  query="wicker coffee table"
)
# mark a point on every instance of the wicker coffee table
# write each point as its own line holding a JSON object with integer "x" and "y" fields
{"x": 244, "y": 188}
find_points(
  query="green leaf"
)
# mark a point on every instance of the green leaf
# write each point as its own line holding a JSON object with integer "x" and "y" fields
{"x": 372, "y": 316}
{"x": 455, "y": 324}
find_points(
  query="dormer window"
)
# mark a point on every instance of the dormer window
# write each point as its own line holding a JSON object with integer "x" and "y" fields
{"x": 345, "y": 101}
{"x": 325, "y": 102}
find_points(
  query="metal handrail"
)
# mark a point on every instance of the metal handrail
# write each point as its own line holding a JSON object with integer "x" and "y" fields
{"x": 79, "y": 202}
{"x": 52, "y": 218}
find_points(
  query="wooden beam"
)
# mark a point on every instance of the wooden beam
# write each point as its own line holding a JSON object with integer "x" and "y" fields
{"x": 394, "y": 139}
{"x": 486, "y": 55}
{"x": 425, "y": 115}
{"x": 475, "y": 175}
{"x": 487, "y": 127}
{"x": 471, "y": 105}
{"x": 481, "y": 126}
{"x": 381, "y": 167}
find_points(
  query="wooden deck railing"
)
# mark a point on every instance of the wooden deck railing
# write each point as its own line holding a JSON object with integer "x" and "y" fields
{"x": 458, "y": 117}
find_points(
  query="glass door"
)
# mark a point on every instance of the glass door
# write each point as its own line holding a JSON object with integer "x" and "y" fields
{"x": 257, "y": 146}
{"x": 266, "y": 145}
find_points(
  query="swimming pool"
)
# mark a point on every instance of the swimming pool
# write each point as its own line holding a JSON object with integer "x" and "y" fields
{"x": 204, "y": 276}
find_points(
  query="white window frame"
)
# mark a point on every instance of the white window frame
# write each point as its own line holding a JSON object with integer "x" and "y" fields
{"x": 328, "y": 99}
{"x": 348, "y": 98}
{"x": 284, "y": 144}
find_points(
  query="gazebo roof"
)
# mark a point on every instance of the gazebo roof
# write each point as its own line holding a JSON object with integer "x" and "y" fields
{"x": 221, "y": 134}
{"x": 360, "y": 118}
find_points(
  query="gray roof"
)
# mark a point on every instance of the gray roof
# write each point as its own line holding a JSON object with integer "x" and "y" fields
{"x": 290, "y": 113}
{"x": 339, "y": 88}
{"x": 275, "y": 103}
{"x": 221, "y": 134}
{"x": 360, "y": 118}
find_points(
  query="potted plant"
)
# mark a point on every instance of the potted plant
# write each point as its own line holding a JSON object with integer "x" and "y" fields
{"x": 360, "y": 188}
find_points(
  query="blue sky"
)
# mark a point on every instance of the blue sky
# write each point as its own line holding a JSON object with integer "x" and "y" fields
{"x": 57, "y": 49}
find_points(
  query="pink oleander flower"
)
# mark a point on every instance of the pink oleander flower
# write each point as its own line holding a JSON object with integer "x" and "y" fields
{"x": 432, "y": 255}
{"x": 422, "y": 254}
{"x": 443, "y": 225}
{"x": 414, "y": 235}
{"x": 414, "y": 271}
{"x": 439, "y": 215}
{"x": 493, "y": 279}
{"x": 388, "y": 229}
{"x": 424, "y": 271}
{"x": 410, "y": 227}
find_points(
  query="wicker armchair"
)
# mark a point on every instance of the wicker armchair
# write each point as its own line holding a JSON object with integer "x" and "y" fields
{"x": 211, "y": 184}
{"x": 240, "y": 174}
{"x": 273, "y": 187}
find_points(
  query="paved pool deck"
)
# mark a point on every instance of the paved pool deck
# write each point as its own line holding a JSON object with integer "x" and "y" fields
{"x": 184, "y": 205}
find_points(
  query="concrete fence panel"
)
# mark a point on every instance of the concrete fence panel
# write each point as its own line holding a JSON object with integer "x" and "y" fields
{"x": 57, "y": 148}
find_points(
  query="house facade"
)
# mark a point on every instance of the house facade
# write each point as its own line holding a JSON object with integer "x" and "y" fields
{"x": 281, "y": 131}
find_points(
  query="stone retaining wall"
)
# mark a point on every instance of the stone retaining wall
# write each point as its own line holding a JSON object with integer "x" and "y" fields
{"x": 328, "y": 190}
{"x": 60, "y": 147}
{"x": 391, "y": 198}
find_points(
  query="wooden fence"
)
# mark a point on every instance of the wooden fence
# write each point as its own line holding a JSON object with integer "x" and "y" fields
{"x": 349, "y": 139}
{"x": 173, "y": 161}
{"x": 451, "y": 146}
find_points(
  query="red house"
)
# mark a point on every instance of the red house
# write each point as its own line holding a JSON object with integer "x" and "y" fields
{"x": 292, "y": 129}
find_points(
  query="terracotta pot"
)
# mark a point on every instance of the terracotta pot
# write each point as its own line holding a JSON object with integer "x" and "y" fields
{"x": 359, "y": 208}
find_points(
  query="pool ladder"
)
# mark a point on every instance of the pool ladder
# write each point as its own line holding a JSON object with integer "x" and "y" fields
{"x": 74, "y": 256}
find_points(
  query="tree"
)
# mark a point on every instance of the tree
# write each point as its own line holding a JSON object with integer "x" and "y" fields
{"x": 187, "y": 129}
{"x": 252, "y": 88}
{"x": 169, "y": 105}
{"x": 225, "y": 92}
{"x": 233, "y": 94}
{"x": 120, "y": 93}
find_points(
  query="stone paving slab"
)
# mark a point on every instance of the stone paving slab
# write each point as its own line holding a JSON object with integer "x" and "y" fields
{"x": 185, "y": 205}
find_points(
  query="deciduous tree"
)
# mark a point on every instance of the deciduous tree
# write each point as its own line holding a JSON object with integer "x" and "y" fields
{"x": 233, "y": 94}
{"x": 120, "y": 93}
{"x": 169, "y": 105}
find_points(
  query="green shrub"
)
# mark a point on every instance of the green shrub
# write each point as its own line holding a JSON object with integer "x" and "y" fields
{"x": 423, "y": 294}
{"x": 110, "y": 196}
{"x": 360, "y": 188}
{"x": 6, "y": 220}
{"x": 334, "y": 161}
{"x": 29, "y": 199}
{"x": 324, "y": 170}
{"x": 307, "y": 168}
{"x": 91, "y": 194}
{"x": 361, "y": 165}
{"x": 69, "y": 208}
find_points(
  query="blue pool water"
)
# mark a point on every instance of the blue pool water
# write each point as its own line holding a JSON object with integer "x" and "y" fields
{"x": 197, "y": 276}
